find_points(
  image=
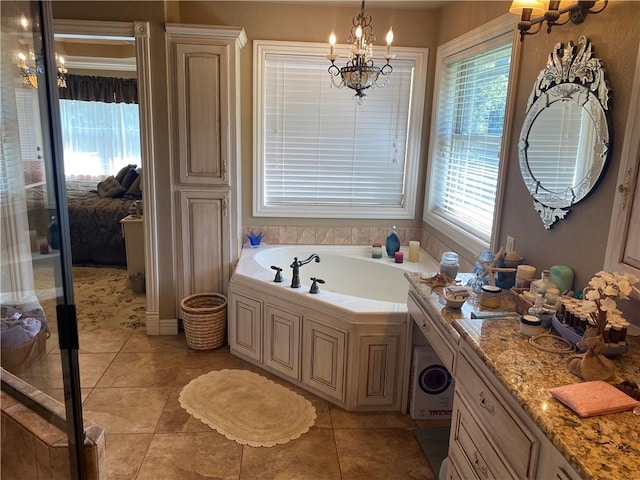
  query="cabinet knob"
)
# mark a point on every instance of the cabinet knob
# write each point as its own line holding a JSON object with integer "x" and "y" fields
{"x": 479, "y": 465}
{"x": 486, "y": 405}
{"x": 625, "y": 188}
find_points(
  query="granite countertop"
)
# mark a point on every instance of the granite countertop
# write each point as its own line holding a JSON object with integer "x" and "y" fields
{"x": 602, "y": 447}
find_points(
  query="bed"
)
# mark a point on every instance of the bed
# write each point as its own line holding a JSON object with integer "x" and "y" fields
{"x": 95, "y": 211}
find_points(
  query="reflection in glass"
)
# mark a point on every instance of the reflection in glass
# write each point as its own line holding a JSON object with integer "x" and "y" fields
{"x": 561, "y": 146}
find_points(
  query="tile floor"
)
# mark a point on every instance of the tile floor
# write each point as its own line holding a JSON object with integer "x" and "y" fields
{"x": 130, "y": 386}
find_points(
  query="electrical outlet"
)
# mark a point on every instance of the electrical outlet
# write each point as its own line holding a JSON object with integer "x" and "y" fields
{"x": 511, "y": 244}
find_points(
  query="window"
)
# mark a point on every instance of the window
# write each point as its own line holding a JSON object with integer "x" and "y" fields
{"x": 470, "y": 106}
{"x": 318, "y": 152}
{"x": 99, "y": 138}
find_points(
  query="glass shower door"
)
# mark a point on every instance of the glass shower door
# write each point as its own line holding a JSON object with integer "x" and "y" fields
{"x": 39, "y": 331}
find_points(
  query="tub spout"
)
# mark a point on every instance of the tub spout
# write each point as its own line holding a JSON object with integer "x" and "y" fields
{"x": 295, "y": 280}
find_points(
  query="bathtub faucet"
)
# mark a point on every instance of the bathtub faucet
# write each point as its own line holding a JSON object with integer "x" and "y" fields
{"x": 295, "y": 281}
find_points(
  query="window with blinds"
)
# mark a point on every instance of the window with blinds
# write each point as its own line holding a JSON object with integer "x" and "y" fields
{"x": 469, "y": 116}
{"x": 320, "y": 153}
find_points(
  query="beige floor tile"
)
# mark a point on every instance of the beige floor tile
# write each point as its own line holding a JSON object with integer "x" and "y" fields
{"x": 309, "y": 457}
{"x": 48, "y": 373}
{"x": 141, "y": 342}
{"x": 126, "y": 410}
{"x": 175, "y": 419}
{"x": 93, "y": 339}
{"x": 125, "y": 453}
{"x": 191, "y": 456}
{"x": 194, "y": 366}
{"x": 143, "y": 370}
{"x": 344, "y": 419}
{"x": 386, "y": 453}
{"x": 58, "y": 393}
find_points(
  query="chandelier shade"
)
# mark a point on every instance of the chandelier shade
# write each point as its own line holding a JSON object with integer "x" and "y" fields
{"x": 360, "y": 71}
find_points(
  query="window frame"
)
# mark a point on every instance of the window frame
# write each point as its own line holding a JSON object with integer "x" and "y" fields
{"x": 419, "y": 56}
{"x": 465, "y": 45}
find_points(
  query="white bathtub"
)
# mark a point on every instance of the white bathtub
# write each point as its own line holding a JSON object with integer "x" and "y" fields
{"x": 354, "y": 281}
{"x": 348, "y": 343}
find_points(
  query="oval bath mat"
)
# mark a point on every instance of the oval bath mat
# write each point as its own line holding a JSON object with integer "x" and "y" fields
{"x": 248, "y": 408}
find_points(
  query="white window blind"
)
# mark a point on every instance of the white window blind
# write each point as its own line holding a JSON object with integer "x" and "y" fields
{"x": 465, "y": 159}
{"x": 99, "y": 138}
{"x": 325, "y": 154}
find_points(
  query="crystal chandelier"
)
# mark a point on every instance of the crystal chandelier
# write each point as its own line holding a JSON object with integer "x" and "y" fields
{"x": 31, "y": 66}
{"x": 360, "y": 72}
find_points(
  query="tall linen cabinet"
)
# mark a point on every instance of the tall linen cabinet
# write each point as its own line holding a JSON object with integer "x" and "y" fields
{"x": 204, "y": 115}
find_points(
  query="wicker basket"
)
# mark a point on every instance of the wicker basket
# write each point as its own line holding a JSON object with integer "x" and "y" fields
{"x": 204, "y": 317}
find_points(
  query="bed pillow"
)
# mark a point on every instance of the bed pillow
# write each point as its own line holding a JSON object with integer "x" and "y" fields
{"x": 135, "y": 190}
{"x": 123, "y": 171}
{"x": 129, "y": 178}
{"x": 110, "y": 188}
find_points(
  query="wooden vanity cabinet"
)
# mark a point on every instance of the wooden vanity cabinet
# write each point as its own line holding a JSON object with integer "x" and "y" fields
{"x": 491, "y": 435}
{"x": 358, "y": 366}
{"x": 204, "y": 122}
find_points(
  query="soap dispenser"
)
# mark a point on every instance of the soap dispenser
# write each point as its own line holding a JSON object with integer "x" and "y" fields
{"x": 393, "y": 242}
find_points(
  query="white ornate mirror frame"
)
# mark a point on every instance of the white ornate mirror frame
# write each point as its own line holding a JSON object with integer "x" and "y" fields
{"x": 564, "y": 141}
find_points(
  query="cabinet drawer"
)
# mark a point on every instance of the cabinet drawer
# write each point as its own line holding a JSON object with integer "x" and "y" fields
{"x": 436, "y": 338}
{"x": 518, "y": 445}
{"x": 471, "y": 449}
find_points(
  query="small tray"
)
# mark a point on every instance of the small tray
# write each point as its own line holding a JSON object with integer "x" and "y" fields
{"x": 569, "y": 334}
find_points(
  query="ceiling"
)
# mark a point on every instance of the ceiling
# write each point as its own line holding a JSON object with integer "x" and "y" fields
{"x": 408, "y": 4}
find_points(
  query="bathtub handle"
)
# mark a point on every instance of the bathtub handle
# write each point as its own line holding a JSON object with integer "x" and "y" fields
{"x": 314, "y": 285}
{"x": 278, "y": 274}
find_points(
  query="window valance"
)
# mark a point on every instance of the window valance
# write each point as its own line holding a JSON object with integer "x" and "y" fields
{"x": 100, "y": 89}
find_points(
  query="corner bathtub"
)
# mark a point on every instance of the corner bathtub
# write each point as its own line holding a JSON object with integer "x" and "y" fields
{"x": 348, "y": 343}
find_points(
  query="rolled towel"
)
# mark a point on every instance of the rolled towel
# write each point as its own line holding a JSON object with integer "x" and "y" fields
{"x": 31, "y": 325}
{"x": 12, "y": 333}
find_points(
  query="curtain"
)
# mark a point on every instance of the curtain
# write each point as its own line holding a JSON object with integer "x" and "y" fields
{"x": 100, "y": 89}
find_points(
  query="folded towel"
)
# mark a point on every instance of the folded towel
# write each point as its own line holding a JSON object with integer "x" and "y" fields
{"x": 593, "y": 398}
{"x": 17, "y": 330}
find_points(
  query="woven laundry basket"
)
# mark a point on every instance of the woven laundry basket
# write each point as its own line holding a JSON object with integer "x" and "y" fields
{"x": 204, "y": 316}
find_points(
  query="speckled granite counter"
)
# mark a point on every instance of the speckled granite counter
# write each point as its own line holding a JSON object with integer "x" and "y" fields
{"x": 603, "y": 447}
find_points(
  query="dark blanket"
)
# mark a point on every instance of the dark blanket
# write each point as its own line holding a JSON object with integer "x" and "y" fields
{"x": 96, "y": 235}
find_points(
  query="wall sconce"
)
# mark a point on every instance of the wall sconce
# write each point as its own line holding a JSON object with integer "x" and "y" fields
{"x": 577, "y": 13}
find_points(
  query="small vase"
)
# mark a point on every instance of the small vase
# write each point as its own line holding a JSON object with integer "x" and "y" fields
{"x": 393, "y": 242}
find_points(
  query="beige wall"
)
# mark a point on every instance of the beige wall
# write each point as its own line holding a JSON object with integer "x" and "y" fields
{"x": 578, "y": 241}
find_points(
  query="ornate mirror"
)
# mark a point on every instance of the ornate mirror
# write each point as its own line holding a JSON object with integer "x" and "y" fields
{"x": 564, "y": 142}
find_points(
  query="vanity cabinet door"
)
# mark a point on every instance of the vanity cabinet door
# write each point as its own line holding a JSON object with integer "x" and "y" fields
{"x": 245, "y": 326}
{"x": 282, "y": 341}
{"x": 378, "y": 357}
{"x": 519, "y": 447}
{"x": 324, "y": 358}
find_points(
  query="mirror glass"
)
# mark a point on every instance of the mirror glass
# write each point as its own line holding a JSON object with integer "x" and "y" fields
{"x": 564, "y": 141}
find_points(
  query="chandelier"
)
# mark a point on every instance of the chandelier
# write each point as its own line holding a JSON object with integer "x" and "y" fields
{"x": 31, "y": 67}
{"x": 360, "y": 72}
